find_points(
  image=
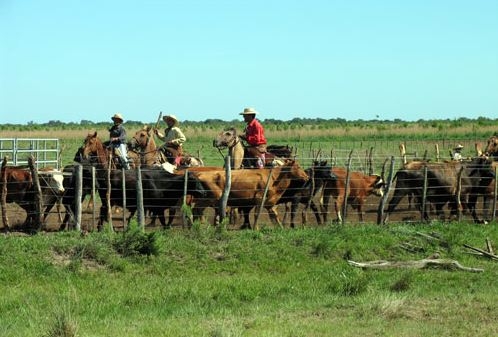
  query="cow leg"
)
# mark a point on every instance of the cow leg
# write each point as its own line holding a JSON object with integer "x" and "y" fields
{"x": 338, "y": 207}
{"x": 272, "y": 212}
{"x": 245, "y": 213}
{"x": 316, "y": 212}
{"x": 324, "y": 204}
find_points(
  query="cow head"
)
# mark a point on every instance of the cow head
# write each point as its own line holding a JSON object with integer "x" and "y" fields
{"x": 52, "y": 179}
{"x": 378, "y": 186}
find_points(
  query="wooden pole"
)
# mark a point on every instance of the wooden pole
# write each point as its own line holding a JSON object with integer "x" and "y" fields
{"x": 458, "y": 194}
{"x": 387, "y": 189}
{"x": 140, "y": 199}
{"x": 5, "y": 218}
{"x": 185, "y": 219}
{"x": 424, "y": 194}
{"x": 78, "y": 195}
{"x": 38, "y": 194}
{"x": 493, "y": 215}
{"x": 108, "y": 194}
{"x": 123, "y": 188}
{"x": 226, "y": 191}
{"x": 263, "y": 200}
{"x": 346, "y": 189}
{"x": 94, "y": 180}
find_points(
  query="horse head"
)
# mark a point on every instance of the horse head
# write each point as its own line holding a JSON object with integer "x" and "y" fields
{"x": 492, "y": 147}
{"x": 142, "y": 139}
{"x": 226, "y": 138}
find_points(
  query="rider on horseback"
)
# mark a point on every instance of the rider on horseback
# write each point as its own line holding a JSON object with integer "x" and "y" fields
{"x": 173, "y": 139}
{"x": 117, "y": 140}
{"x": 254, "y": 135}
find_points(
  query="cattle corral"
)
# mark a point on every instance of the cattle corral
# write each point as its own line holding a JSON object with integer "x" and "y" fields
{"x": 363, "y": 156}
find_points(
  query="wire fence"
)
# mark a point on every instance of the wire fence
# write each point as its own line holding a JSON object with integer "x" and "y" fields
{"x": 140, "y": 192}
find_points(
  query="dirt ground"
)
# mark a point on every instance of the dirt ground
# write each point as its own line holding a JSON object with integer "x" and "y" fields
{"x": 404, "y": 213}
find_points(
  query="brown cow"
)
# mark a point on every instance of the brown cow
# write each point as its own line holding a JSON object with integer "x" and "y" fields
{"x": 247, "y": 188}
{"x": 21, "y": 190}
{"x": 442, "y": 181}
{"x": 360, "y": 187}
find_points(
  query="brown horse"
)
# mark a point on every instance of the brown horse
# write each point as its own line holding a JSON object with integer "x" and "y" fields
{"x": 275, "y": 156}
{"x": 144, "y": 144}
{"x": 94, "y": 148}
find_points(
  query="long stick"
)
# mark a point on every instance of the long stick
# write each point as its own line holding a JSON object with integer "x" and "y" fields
{"x": 158, "y": 120}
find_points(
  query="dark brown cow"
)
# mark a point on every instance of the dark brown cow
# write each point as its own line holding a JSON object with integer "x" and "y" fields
{"x": 359, "y": 188}
{"x": 442, "y": 184}
{"x": 22, "y": 191}
{"x": 247, "y": 188}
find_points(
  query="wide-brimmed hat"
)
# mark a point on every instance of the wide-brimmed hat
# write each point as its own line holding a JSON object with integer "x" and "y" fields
{"x": 249, "y": 111}
{"x": 117, "y": 116}
{"x": 459, "y": 147}
{"x": 173, "y": 117}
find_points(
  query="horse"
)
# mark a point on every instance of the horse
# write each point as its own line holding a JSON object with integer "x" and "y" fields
{"x": 144, "y": 144}
{"x": 94, "y": 148}
{"x": 276, "y": 155}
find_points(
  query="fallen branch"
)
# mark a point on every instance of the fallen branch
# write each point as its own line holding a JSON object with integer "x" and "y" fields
{"x": 489, "y": 246}
{"x": 482, "y": 251}
{"x": 418, "y": 264}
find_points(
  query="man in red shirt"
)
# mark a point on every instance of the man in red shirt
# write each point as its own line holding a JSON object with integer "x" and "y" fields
{"x": 254, "y": 135}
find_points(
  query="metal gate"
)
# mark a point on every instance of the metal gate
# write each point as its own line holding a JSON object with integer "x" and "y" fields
{"x": 46, "y": 151}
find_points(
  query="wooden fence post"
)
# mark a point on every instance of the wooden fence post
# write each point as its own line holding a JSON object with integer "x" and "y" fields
{"x": 346, "y": 189}
{"x": 493, "y": 215}
{"x": 140, "y": 199}
{"x": 387, "y": 189}
{"x": 38, "y": 194}
{"x": 424, "y": 194}
{"x": 108, "y": 194}
{"x": 226, "y": 191}
{"x": 5, "y": 218}
{"x": 123, "y": 188}
{"x": 78, "y": 194}
{"x": 94, "y": 180}
{"x": 260, "y": 209}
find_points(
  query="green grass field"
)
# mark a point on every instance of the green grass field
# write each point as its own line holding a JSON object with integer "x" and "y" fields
{"x": 207, "y": 281}
{"x": 210, "y": 282}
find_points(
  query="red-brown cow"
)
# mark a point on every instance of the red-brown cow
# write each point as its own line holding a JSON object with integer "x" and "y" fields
{"x": 21, "y": 190}
{"x": 359, "y": 188}
{"x": 248, "y": 187}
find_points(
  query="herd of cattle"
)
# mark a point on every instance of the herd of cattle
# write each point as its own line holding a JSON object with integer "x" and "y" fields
{"x": 456, "y": 185}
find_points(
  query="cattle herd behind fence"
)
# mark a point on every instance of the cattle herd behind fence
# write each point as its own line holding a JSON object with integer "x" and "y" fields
{"x": 364, "y": 185}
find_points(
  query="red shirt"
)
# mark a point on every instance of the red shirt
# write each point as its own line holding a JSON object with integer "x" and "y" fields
{"x": 255, "y": 134}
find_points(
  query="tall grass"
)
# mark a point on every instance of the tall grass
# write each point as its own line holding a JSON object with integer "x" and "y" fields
{"x": 243, "y": 283}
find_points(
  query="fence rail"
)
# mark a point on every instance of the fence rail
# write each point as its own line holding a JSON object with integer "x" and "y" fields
{"x": 45, "y": 150}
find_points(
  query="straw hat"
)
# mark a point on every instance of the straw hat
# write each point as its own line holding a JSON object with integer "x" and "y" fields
{"x": 458, "y": 147}
{"x": 249, "y": 111}
{"x": 173, "y": 117}
{"x": 117, "y": 116}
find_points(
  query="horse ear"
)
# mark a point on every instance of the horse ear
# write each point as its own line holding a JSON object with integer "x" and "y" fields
{"x": 94, "y": 134}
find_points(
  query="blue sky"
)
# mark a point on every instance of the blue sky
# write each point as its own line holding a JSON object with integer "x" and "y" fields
{"x": 74, "y": 60}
